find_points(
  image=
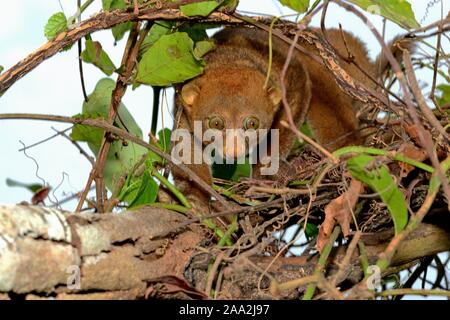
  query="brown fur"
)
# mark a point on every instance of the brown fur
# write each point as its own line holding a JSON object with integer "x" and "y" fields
{"x": 232, "y": 87}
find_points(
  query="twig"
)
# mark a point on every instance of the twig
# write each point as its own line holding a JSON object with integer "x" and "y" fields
{"x": 378, "y": 152}
{"x": 429, "y": 115}
{"x": 338, "y": 277}
{"x": 100, "y": 21}
{"x": 67, "y": 199}
{"x": 304, "y": 137}
{"x": 128, "y": 62}
{"x": 275, "y": 287}
{"x": 212, "y": 273}
{"x": 436, "y": 67}
{"x": 278, "y": 191}
{"x": 82, "y": 151}
{"x": 80, "y": 62}
{"x": 44, "y": 140}
{"x": 425, "y": 141}
{"x": 415, "y": 220}
{"x": 322, "y": 262}
{"x": 155, "y": 109}
{"x": 395, "y": 292}
{"x": 433, "y": 25}
{"x": 363, "y": 257}
{"x": 102, "y": 124}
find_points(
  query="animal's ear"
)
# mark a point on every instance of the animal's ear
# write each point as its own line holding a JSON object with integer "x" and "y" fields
{"x": 275, "y": 95}
{"x": 189, "y": 93}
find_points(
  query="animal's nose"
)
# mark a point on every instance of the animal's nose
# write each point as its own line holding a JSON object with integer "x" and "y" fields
{"x": 234, "y": 146}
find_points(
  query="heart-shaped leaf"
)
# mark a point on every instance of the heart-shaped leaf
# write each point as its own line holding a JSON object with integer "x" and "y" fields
{"x": 170, "y": 60}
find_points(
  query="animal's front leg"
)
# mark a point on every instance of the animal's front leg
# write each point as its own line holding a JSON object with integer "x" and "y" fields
{"x": 197, "y": 197}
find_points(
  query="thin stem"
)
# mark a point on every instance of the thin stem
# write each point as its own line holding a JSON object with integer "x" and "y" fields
{"x": 396, "y": 292}
{"x": 232, "y": 228}
{"x": 377, "y": 152}
{"x": 80, "y": 10}
{"x": 171, "y": 206}
{"x": 322, "y": 262}
{"x": 171, "y": 188}
{"x": 80, "y": 62}
{"x": 102, "y": 124}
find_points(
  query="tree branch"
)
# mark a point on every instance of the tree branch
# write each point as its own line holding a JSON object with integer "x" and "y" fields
{"x": 124, "y": 256}
{"x": 103, "y": 124}
{"x": 100, "y": 21}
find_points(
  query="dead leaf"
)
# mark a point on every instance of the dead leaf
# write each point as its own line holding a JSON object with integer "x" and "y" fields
{"x": 171, "y": 285}
{"x": 40, "y": 195}
{"x": 98, "y": 48}
{"x": 339, "y": 211}
{"x": 409, "y": 150}
{"x": 414, "y": 134}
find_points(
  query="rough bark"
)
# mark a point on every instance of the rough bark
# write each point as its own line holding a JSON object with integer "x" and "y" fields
{"x": 41, "y": 250}
{"x": 144, "y": 253}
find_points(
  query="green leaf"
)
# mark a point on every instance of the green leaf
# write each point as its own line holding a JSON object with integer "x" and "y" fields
{"x": 130, "y": 190}
{"x": 146, "y": 193}
{"x": 202, "y": 9}
{"x": 119, "y": 30}
{"x": 197, "y": 31}
{"x": 158, "y": 29}
{"x": 223, "y": 171}
{"x": 297, "y": 5}
{"x": 1, "y": 69}
{"x": 311, "y": 230}
{"x": 202, "y": 48}
{"x": 106, "y": 4}
{"x": 121, "y": 159}
{"x": 86, "y": 133}
{"x": 228, "y": 5}
{"x": 33, "y": 187}
{"x": 306, "y": 129}
{"x": 164, "y": 139}
{"x": 231, "y": 172}
{"x": 98, "y": 57}
{"x": 170, "y": 60}
{"x": 398, "y": 11}
{"x": 152, "y": 158}
{"x": 242, "y": 171}
{"x": 376, "y": 175}
{"x": 445, "y": 94}
{"x": 56, "y": 23}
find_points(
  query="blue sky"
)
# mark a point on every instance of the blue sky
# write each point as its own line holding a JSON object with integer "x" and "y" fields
{"x": 54, "y": 88}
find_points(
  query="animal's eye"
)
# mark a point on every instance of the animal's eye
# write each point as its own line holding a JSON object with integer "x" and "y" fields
{"x": 216, "y": 122}
{"x": 251, "y": 123}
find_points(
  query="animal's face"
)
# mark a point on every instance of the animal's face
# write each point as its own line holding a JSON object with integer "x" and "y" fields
{"x": 231, "y": 99}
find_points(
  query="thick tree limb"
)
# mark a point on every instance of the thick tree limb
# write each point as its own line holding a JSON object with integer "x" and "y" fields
{"x": 427, "y": 240}
{"x": 100, "y": 21}
{"x": 125, "y": 256}
{"x": 41, "y": 248}
{"x": 108, "y": 19}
